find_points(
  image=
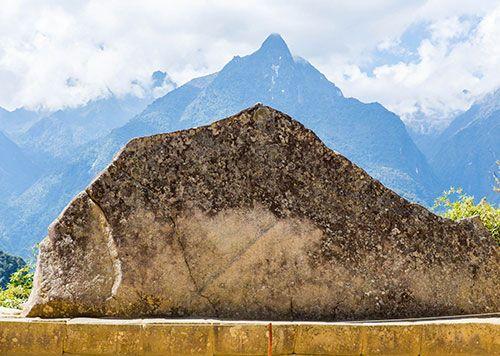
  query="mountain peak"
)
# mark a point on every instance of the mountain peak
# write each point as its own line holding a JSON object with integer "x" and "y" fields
{"x": 158, "y": 78}
{"x": 275, "y": 45}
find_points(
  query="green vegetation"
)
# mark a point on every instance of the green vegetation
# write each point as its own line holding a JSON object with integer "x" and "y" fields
{"x": 455, "y": 204}
{"x": 18, "y": 289}
{"x": 8, "y": 265}
{"x": 17, "y": 279}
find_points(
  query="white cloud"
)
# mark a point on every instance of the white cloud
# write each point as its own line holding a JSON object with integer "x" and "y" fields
{"x": 457, "y": 64}
{"x": 98, "y": 46}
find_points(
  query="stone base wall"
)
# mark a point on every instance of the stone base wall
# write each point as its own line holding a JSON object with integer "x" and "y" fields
{"x": 33, "y": 336}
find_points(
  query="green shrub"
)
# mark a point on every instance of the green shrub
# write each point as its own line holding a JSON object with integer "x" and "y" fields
{"x": 455, "y": 204}
{"x": 18, "y": 289}
{"x": 8, "y": 265}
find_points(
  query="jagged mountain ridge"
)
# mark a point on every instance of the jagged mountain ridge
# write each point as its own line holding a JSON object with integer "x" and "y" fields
{"x": 56, "y": 136}
{"x": 15, "y": 122}
{"x": 17, "y": 171}
{"x": 467, "y": 151}
{"x": 368, "y": 134}
{"x": 52, "y": 141}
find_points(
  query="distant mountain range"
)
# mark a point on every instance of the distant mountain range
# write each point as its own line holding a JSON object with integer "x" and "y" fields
{"x": 75, "y": 144}
{"x": 368, "y": 134}
{"x": 36, "y": 180}
{"x": 465, "y": 154}
{"x": 16, "y": 122}
{"x": 17, "y": 170}
{"x": 55, "y": 136}
{"x": 58, "y": 134}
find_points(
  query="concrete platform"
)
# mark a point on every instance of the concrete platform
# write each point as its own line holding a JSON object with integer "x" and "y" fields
{"x": 85, "y": 336}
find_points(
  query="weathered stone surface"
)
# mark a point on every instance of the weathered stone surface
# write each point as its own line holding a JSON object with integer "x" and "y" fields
{"x": 20, "y": 336}
{"x": 253, "y": 217}
{"x": 164, "y": 337}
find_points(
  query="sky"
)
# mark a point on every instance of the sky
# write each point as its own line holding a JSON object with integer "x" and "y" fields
{"x": 424, "y": 60}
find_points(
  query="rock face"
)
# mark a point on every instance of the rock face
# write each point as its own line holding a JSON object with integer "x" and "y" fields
{"x": 253, "y": 217}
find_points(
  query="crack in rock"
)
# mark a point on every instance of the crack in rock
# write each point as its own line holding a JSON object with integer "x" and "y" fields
{"x": 188, "y": 266}
{"x": 113, "y": 251}
{"x": 292, "y": 313}
{"x": 235, "y": 258}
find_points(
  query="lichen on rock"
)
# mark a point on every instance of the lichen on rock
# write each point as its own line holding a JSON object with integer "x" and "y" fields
{"x": 253, "y": 217}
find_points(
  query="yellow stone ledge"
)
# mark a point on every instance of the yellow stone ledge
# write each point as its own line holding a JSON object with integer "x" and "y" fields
{"x": 85, "y": 336}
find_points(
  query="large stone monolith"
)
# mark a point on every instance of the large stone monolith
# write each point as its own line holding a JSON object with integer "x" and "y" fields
{"x": 253, "y": 217}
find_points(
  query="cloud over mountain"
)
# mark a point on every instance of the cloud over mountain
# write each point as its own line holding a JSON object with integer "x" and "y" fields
{"x": 427, "y": 58}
